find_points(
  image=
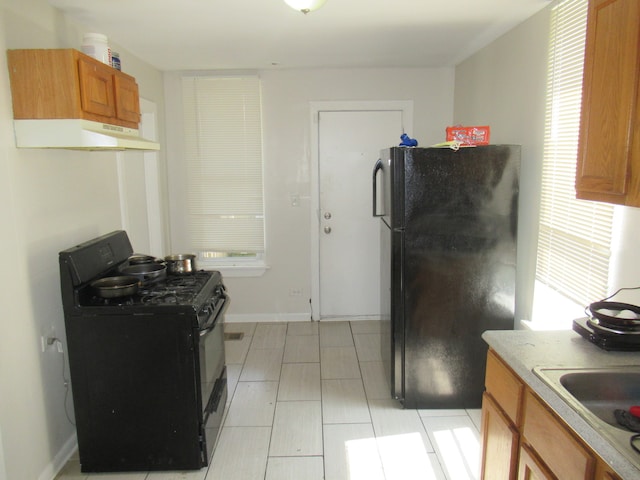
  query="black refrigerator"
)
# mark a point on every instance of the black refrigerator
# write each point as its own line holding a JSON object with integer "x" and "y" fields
{"x": 448, "y": 265}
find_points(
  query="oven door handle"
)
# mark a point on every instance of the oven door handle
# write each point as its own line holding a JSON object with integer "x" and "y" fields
{"x": 218, "y": 310}
{"x": 214, "y": 400}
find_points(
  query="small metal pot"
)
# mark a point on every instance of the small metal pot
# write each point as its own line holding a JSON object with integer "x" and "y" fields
{"x": 146, "y": 272}
{"x": 181, "y": 263}
{"x": 114, "y": 287}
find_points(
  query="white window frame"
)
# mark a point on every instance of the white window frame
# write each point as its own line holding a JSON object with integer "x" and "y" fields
{"x": 563, "y": 287}
{"x": 225, "y": 134}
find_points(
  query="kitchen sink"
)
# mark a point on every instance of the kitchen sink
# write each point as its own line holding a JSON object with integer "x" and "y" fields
{"x": 595, "y": 393}
{"x": 604, "y": 391}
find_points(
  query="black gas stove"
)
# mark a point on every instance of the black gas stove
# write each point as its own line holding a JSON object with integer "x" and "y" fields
{"x": 147, "y": 367}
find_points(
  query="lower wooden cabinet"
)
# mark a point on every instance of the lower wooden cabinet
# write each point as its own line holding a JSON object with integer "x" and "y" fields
{"x": 500, "y": 442}
{"x": 531, "y": 441}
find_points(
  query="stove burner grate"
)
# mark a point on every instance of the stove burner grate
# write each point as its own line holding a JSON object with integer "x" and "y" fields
{"x": 166, "y": 298}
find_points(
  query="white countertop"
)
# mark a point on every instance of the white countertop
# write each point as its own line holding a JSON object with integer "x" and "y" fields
{"x": 524, "y": 350}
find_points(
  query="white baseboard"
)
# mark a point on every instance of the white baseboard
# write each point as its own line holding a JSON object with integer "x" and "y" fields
{"x": 289, "y": 317}
{"x": 61, "y": 459}
{"x": 267, "y": 317}
{"x": 354, "y": 318}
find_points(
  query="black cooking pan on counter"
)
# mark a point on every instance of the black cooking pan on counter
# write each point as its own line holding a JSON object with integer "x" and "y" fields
{"x": 615, "y": 315}
{"x": 114, "y": 287}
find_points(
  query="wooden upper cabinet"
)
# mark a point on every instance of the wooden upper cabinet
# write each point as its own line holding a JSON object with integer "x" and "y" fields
{"x": 65, "y": 83}
{"x": 609, "y": 150}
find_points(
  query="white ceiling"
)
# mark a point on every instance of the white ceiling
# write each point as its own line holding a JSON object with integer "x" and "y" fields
{"x": 258, "y": 34}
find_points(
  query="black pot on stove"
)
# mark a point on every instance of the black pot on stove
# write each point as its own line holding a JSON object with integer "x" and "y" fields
{"x": 146, "y": 272}
{"x": 142, "y": 259}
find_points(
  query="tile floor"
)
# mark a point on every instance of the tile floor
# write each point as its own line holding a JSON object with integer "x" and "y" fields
{"x": 309, "y": 401}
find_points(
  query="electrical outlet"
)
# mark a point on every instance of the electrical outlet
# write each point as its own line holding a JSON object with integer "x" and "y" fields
{"x": 48, "y": 344}
{"x": 295, "y": 292}
{"x": 49, "y": 341}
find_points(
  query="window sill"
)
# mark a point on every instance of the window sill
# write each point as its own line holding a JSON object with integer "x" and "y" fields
{"x": 552, "y": 310}
{"x": 250, "y": 270}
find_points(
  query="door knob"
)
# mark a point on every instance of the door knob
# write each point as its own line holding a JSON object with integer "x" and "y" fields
{"x": 327, "y": 216}
{"x": 327, "y": 230}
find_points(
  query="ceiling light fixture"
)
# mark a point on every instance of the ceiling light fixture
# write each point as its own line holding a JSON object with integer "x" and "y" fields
{"x": 305, "y": 6}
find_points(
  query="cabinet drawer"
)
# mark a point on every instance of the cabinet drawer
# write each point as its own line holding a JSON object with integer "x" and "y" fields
{"x": 505, "y": 387}
{"x": 565, "y": 456}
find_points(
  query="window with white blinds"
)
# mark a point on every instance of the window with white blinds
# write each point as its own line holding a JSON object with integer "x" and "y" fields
{"x": 223, "y": 157}
{"x": 575, "y": 235}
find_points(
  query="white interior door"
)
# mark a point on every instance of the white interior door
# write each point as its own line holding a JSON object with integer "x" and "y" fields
{"x": 349, "y": 238}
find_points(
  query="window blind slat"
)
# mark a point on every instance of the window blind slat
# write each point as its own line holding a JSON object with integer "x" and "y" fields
{"x": 574, "y": 241}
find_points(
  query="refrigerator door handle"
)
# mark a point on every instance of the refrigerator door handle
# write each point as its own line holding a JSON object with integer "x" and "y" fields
{"x": 377, "y": 167}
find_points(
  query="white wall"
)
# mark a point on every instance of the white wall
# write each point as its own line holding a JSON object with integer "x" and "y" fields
{"x": 50, "y": 200}
{"x": 286, "y": 96}
{"x": 504, "y": 85}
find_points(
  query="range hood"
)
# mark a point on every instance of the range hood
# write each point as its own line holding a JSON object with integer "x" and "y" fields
{"x": 78, "y": 134}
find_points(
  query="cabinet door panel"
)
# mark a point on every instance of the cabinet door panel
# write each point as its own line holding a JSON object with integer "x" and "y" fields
{"x": 530, "y": 468}
{"x": 96, "y": 88}
{"x": 127, "y": 99}
{"x": 610, "y": 89}
{"x": 499, "y": 442}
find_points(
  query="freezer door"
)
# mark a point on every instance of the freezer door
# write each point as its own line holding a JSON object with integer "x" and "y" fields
{"x": 459, "y": 265}
{"x": 395, "y": 187}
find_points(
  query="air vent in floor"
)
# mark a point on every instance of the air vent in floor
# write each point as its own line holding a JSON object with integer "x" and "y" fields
{"x": 233, "y": 335}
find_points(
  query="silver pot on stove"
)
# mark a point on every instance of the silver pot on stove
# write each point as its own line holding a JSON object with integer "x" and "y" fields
{"x": 181, "y": 263}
